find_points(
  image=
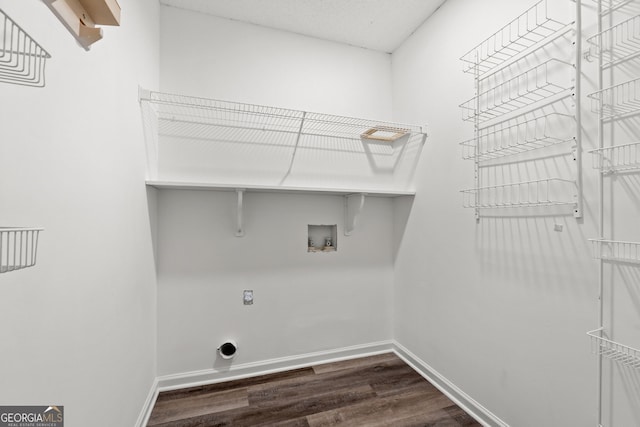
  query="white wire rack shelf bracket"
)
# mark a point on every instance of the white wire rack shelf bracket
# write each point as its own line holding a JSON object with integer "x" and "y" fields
{"x": 524, "y": 32}
{"x": 627, "y": 356}
{"x": 619, "y": 43}
{"x": 616, "y": 101}
{"x": 18, "y": 248}
{"x": 22, "y": 59}
{"x": 619, "y": 158}
{"x": 544, "y": 192}
{"x": 532, "y": 86}
{"x": 232, "y": 115}
{"x": 616, "y": 250}
{"x": 518, "y": 136}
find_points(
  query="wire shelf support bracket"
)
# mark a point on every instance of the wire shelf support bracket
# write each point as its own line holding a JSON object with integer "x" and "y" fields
{"x": 22, "y": 59}
{"x": 18, "y": 248}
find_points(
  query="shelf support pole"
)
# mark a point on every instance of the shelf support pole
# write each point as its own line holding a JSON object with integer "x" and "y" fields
{"x": 353, "y": 204}
{"x": 240, "y": 212}
{"x": 577, "y": 212}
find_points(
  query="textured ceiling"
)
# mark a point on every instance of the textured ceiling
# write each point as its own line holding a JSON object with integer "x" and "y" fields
{"x": 380, "y": 25}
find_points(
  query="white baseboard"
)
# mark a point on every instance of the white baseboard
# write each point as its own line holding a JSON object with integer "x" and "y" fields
{"x": 145, "y": 413}
{"x": 235, "y": 372}
{"x": 212, "y": 376}
{"x": 463, "y": 400}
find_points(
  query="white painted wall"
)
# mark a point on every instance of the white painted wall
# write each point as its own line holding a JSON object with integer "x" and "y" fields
{"x": 206, "y": 56}
{"x": 304, "y": 302}
{"x": 499, "y": 307}
{"x": 78, "y": 328}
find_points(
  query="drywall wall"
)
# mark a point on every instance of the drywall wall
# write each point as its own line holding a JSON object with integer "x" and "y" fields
{"x": 210, "y": 57}
{"x": 79, "y": 328}
{"x": 303, "y": 302}
{"x": 203, "y": 55}
{"x": 499, "y": 307}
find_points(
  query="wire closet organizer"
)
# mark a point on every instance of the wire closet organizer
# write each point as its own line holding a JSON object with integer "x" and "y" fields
{"x": 214, "y": 139}
{"x": 242, "y": 126}
{"x": 22, "y": 59}
{"x": 18, "y": 248}
{"x": 510, "y": 115}
{"x": 616, "y": 48}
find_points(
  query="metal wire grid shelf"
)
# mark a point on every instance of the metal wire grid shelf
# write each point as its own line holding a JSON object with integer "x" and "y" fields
{"x": 22, "y": 59}
{"x": 609, "y": 6}
{"x": 618, "y": 100}
{"x": 18, "y": 248}
{"x": 544, "y": 192}
{"x": 534, "y": 85}
{"x": 525, "y": 31}
{"x": 618, "y": 43}
{"x": 627, "y": 356}
{"x": 619, "y": 158}
{"x": 518, "y": 136}
{"x": 193, "y": 114}
{"x": 615, "y": 250}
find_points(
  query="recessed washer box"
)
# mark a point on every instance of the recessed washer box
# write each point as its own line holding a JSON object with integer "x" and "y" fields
{"x": 322, "y": 238}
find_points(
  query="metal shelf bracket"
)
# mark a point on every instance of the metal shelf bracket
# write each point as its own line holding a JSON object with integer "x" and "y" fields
{"x": 353, "y": 204}
{"x": 240, "y": 212}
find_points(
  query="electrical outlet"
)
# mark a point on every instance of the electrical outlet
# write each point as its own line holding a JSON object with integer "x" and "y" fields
{"x": 247, "y": 297}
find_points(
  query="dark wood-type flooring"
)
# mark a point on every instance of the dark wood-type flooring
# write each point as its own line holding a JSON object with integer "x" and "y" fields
{"x": 372, "y": 391}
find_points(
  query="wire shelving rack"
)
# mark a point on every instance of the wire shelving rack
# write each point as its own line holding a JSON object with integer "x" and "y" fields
{"x": 619, "y": 43}
{"x": 518, "y": 136}
{"x": 618, "y": 100}
{"x": 18, "y": 248}
{"x": 616, "y": 250}
{"x": 534, "y": 85}
{"x": 512, "y": 109}
{"x": 614, "y": 46}
{"x": 543, "y": 192}
{"x": 524, "y": 32}
{"x": 221, "y": 117}
{"x": 620, "y": 353}
{"x": 617, "y": 158}
{"x": 22, "y": 59}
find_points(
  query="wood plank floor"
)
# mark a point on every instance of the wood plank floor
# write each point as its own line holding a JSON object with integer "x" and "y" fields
{"x": 372, "y": 391}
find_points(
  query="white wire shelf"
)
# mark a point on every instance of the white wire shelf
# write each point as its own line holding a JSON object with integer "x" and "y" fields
{"x": 22, "y": 59}
{"x": 619, "y": 43}
{"x": 616, "y": 250}
{"x": 518, "y": 136}
{"x": 18, "y": 248}
{"x": 609, "y": 6}
{"x": 534, "y": 85}
{"x": 525, "y": 31}
{"x": 544, "y": 192}
{"x": 618, "y": 158}
{"x": 618, "y": 100}
{"x": 627, "y": 356}
{"x": 186, "y": 114}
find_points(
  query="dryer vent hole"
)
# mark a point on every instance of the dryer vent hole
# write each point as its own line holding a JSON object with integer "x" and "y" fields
{"x": 227, "y": 350}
